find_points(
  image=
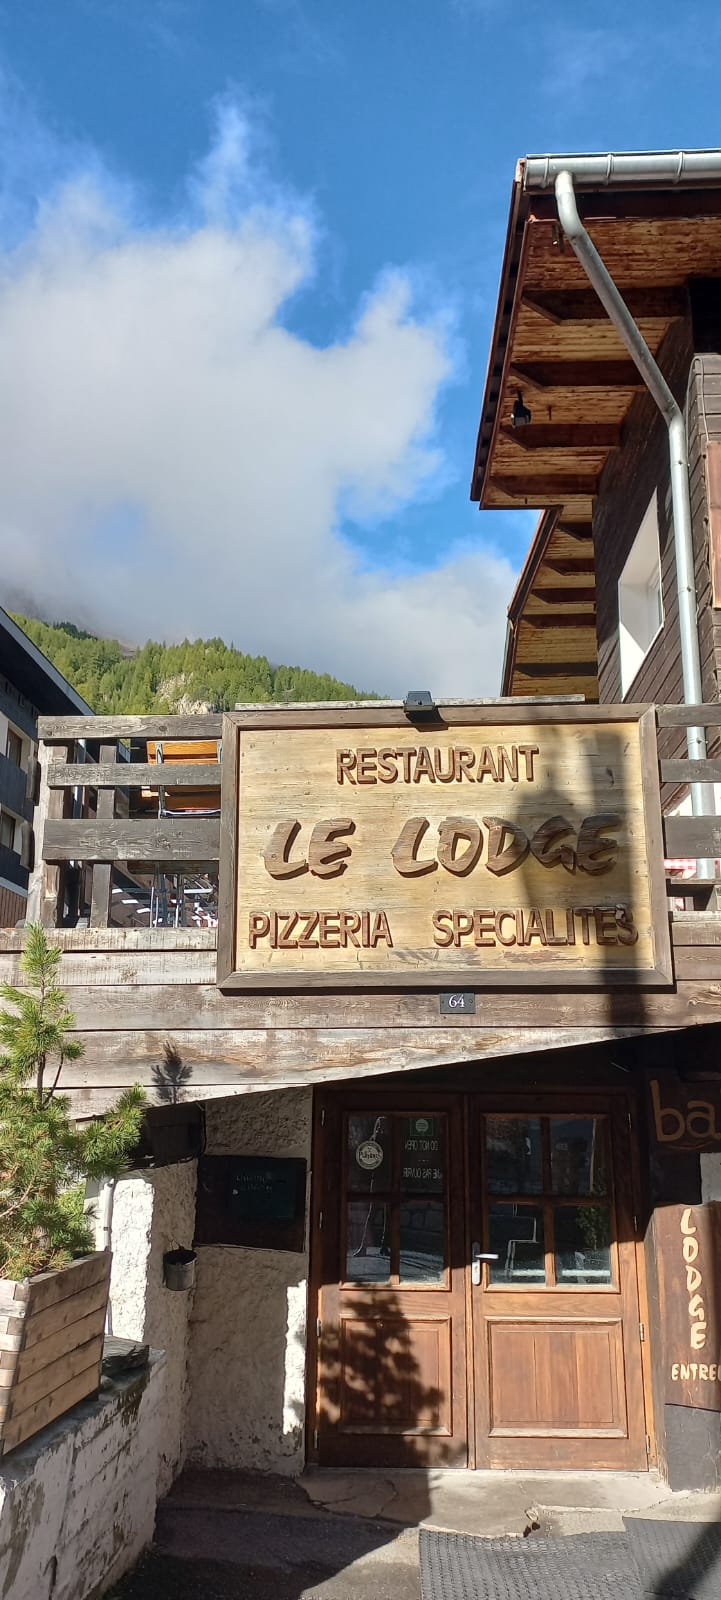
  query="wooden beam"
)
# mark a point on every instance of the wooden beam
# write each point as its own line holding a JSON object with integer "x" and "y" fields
{"x": 682, "y": 770}
{"x": 572, "y": 594}
{"x": 100, "y": 898}
{"x": 546, "y": 488}
{"x": 583, "y": 305}
{"x": 588, "y": 374}
{"x": 558, "y": 669}
{"x": 692, "y": 836}
{"x": 565, "y": 435}
{"x": 134, "y": 775}
{"x": 575, "y": 530}
{"x": 181, "y": 839}
{"x": 569, "y": 566}
{"x": 562, "y": 619}
{"x": 689, "y": 716}
{"x": 259, "y": 1058}
{"x": 195, "y": 726}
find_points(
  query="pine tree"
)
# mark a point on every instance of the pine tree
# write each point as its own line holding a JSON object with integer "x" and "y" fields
{"x": 43, "y": 1154}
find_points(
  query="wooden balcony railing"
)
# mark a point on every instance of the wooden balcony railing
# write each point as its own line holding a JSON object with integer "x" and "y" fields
{"x": 128, "y": 811}
{"x": 125, "y": 803}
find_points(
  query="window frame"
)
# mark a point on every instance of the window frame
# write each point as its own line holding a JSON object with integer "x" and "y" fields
{"x": 645, "y": 552}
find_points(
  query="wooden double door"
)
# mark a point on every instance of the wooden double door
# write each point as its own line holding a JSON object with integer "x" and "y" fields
{"x": 474, "y": 1276}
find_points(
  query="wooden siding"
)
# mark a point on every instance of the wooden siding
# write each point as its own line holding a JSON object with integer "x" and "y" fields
{"x": 12, "y": 908}
{"x": 136, "y": 991}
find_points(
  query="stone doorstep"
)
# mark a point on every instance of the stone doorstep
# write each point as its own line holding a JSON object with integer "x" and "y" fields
{"x": 484, "y": 1504}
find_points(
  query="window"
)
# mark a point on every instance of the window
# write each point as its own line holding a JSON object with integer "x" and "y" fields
{"x": 7, "y": 830}
{"x": 548, "y": 1202}
{"x": 640, "y": 606}
{"x": 14, "y": 747}
{"x": 395, "y": 1224}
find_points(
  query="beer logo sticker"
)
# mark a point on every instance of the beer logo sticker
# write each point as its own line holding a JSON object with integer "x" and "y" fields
{"x": 369, "y": 1155}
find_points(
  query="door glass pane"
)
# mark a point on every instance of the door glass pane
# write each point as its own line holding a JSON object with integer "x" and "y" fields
{"x": 513, "y": 1155}
{"x": 516, "y": 1237}
{"x": 369, "y": 1151}
{"x": 579, "y": 1155}
{"x": 368, "y": 1246}
{"x": 422, "y": 1241}
{"x": 423, "y": 1154}
{"x": 583, "y": 1244}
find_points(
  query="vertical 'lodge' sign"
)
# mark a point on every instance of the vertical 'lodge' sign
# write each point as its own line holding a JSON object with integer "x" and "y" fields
{"x": 687, "y": 1252}
{"x": 496, "y": 846}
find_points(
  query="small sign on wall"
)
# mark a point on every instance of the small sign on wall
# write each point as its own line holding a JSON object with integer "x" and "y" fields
{"x": 688, "y": 1239}
{"x": 255, "y": 1201}
{"x": 684, "y": 1115}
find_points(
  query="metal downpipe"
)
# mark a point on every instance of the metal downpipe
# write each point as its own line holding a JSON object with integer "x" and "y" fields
{"x": 701, "y": 800}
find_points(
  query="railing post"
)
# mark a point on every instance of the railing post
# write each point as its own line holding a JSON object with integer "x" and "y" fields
{"x": 101, "y": 898}
{"x": 45, "y": 888}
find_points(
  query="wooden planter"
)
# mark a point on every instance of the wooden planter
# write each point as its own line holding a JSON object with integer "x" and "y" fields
{"x": 51, "y": 1344}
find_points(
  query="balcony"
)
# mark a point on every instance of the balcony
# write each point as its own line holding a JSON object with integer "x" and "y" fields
{"x": 13, "y": 789}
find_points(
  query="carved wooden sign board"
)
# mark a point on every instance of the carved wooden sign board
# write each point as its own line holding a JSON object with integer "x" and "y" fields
{"x": 687, "y": 1251}
{"x": 495, "y": 850}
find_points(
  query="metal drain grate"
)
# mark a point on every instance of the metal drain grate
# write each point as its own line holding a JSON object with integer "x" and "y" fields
{"x": 581, "y": 1567}
{"x": 676, "y": 1560}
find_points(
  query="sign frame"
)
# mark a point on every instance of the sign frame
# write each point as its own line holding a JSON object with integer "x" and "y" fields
{"x": 452, "y": 716}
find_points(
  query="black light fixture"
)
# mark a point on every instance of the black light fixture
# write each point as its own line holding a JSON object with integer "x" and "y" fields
{"x": 419, "y": 706}
{"x": 520, "y": 415}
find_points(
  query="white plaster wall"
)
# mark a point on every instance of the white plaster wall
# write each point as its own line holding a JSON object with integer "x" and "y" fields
{"x": 77, "y": 1503}
{"x": 154, "y": 1211}
{"x": 248, "y": 1322}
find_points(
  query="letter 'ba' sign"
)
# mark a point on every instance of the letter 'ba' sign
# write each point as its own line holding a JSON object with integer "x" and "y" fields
{"x": 485, "y": 853}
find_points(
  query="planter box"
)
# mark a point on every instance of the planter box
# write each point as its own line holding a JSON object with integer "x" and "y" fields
{"x": 51, "y": 1344}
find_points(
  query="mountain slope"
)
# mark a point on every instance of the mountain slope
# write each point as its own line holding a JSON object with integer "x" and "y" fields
{"x": 198, "y": 675}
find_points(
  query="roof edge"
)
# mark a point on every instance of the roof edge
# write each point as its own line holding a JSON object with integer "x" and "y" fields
{"x": 20, "y": 638}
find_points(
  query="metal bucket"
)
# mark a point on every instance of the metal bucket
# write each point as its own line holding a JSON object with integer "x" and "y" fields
{"x": 179, "y": 1269}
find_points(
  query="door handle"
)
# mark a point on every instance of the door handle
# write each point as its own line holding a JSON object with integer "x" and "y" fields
{"x": 477, "y": 1256}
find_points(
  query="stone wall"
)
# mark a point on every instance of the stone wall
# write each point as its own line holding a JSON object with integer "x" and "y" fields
{"x": 248, "y": 1321}
{"x": 154, "y": 1211}
{"x": 77, "y": 1502}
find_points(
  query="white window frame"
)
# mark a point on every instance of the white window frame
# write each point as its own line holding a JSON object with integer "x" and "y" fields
{"x": 640, "y": 598}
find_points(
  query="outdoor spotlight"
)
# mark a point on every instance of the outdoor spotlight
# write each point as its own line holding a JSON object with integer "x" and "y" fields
{"x": 520, "y": 415}
{"x": 419, "y": 706}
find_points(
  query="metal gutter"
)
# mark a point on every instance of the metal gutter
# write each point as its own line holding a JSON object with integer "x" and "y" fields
{"x": 599, "y": 276}
{"x": 670, "y": 168}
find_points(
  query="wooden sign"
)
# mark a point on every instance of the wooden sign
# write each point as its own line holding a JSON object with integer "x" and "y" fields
{"x": 684, "y": 1115}
{"x": 506, "y": 848}
{"x": 688, "y": 1241}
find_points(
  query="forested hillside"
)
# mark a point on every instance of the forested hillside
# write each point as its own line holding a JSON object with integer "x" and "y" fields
{"x": 205, "y": 674}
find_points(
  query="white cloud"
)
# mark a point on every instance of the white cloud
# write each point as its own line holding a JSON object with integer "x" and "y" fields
{"x": 174, "y": 461}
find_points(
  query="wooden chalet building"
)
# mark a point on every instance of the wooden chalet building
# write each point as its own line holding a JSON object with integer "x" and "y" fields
{"x": 451, "y": 1019}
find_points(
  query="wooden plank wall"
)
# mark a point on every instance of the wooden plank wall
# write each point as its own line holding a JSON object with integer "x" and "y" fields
{"x": 626, "y": 487}
{"x": 148, "y": 1008}
{"x": 134, "y": 992}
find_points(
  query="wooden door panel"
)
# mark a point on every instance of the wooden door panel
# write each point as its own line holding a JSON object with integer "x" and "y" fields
{"x": 556, "y": 1317}
{"x": 396, "y": 1375}
{"x": 556, "y": 1376}
{"x": 390, "y": 1273}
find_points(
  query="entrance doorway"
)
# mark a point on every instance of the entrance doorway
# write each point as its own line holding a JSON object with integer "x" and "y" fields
{"x": 475, "y": 1281}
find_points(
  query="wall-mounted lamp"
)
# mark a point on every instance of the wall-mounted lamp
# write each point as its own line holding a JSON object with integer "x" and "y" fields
{"x": 419, "y": 706}
{"x": 520, "y": 415}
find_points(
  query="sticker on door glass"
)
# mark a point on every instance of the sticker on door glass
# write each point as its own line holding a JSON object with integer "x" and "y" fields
{"x": 369, "y": 1155}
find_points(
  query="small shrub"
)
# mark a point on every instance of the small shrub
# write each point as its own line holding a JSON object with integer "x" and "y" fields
{"x": 44, "y": 1156}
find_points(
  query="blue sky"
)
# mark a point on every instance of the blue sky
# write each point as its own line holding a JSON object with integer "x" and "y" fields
{"x": 250, "y": 252}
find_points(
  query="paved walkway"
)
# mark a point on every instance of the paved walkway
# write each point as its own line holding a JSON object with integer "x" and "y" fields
{"x": 354, "y": 1535}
